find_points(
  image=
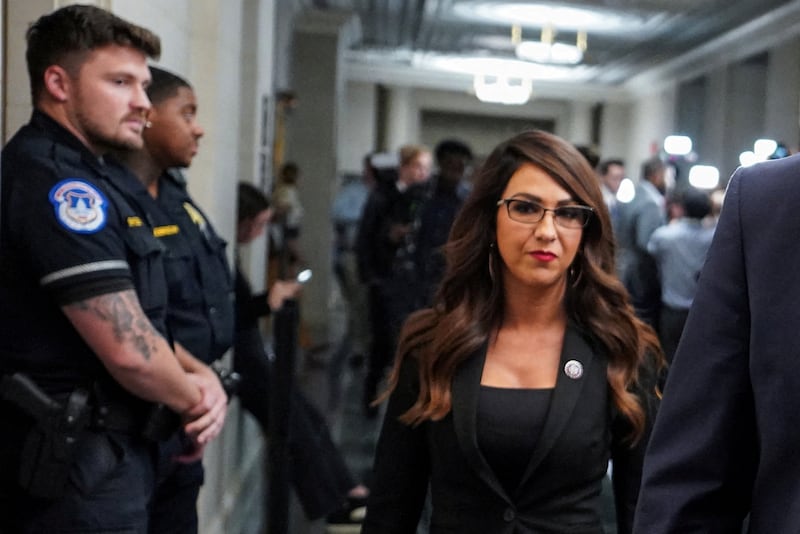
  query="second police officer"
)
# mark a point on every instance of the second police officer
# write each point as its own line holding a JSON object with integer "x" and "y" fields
{"x": 200, "y": 313}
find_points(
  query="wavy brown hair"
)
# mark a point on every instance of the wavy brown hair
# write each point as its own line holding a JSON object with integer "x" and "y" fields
{"x": 469, "y": 303}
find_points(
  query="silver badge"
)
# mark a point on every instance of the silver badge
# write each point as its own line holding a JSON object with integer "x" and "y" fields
{"x": 573, "y": 369}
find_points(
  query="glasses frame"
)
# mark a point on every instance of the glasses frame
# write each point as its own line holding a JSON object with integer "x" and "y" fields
{"x": 508, "y": 201}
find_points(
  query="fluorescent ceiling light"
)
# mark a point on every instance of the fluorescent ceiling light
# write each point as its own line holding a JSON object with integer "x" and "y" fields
{"x": 677, "y": 145}
{"x": 562, "y": 17}
{"x": 559, "y": 53}
{"x": 747, "y": 158}
{"x": 704, "y": 176}
{"x": 502, "y": 90}
{"x": 499, "y": 67}
{"x": 764, "y": 148}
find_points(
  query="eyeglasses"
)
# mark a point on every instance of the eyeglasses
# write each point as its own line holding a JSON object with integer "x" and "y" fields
{"x": 528, "y": 212}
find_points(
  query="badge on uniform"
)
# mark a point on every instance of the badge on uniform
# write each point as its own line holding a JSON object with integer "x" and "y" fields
{"x": 195, "y": 216}
{"x": 80, "y": 206}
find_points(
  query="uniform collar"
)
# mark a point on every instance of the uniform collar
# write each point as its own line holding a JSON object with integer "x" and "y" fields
{"x": 42, "y": 121}
{"x": 63, "y": 137}
{"x": 175, "y": 176}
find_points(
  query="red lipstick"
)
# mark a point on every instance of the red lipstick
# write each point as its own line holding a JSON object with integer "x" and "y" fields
{"x": 543, "y": 255}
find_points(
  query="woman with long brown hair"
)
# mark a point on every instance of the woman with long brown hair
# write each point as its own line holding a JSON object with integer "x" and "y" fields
{"x": 510, "y": 395}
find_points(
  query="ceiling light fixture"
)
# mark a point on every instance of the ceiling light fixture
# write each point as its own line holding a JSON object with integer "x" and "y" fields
{"x": 498, "y": 67}
{"x": 547, "y": 50}
{"x": 590, "y": 16}
{"x": 503, "y": 90}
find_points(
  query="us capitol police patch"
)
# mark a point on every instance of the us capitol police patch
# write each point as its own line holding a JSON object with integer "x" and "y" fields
{"x": 80, "y": 206}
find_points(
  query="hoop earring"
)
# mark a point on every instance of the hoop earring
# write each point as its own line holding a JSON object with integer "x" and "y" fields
{"x": 575, "y": 274}
{"x": 491, "y": 263}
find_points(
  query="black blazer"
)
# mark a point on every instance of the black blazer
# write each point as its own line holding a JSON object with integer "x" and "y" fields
{"x": 560, "y": 489}
{"x": 727, "y": 440}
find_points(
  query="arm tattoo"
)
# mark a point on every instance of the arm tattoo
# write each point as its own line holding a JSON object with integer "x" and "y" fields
{"x": 128, "y": 321}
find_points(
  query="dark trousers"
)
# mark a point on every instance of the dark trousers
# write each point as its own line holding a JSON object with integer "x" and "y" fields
{"x": 173, "y": 508}
{"x": 382, "y": 320}
{"x": 110, "y": 484}
{"x": 318, "y": 473}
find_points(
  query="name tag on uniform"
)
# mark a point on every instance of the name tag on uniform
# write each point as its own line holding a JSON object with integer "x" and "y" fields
{"x": 170, "y": 229}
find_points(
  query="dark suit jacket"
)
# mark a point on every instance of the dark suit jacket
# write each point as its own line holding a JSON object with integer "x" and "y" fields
{"x": 727, "y": 439}
{"x": 560, "y": 488}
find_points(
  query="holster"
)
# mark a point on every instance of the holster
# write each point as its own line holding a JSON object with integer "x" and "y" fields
{"x": 154, "y": 422}
{"x": 49, "y": 446}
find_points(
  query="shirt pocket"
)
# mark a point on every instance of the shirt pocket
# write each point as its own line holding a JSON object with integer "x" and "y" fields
{"x": 179, "y": 268}
{"x": 146, "y": 261}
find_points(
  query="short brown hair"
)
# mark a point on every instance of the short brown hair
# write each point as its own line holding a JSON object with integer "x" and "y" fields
{"x": 69, "y": 32}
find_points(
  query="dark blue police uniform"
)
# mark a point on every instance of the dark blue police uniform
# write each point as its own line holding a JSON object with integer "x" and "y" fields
{"x": 72, "y": 230}
{"x": 200, "y": 316}
{"x": 200, "y": 313}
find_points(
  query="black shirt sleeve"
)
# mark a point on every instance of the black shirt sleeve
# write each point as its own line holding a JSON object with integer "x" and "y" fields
{"x": 69, "y": 232}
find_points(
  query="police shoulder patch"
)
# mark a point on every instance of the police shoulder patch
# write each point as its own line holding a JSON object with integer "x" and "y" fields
{"x": 79, "y": 206}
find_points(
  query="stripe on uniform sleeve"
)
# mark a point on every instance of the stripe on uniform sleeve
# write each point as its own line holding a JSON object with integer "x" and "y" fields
{"x": 107, "y": 265}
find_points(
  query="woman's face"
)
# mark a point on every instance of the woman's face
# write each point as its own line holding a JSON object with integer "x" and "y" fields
{"x": 535, "y": 255}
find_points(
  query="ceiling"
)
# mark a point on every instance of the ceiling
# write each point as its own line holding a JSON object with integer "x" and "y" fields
{"x": 424, "y": 42}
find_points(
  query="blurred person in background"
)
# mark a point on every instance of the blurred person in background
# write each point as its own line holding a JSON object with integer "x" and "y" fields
{"x": 348, "y": 205}
{"x": 321, "y": 479}
{"x": 436, "y": 216}
{"x": 384, "y": 232}
{"x": 636, "y": 222}
{"x": 680, "y": 249}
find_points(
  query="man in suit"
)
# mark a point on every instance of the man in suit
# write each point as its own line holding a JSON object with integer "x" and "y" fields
{"x": 726, "y": 438}
{"x": 611, "y": 173}
{"x": 635, "y": 223}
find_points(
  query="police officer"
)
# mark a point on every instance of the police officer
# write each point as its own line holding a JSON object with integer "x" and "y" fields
{"x": 200, "y": 312}
{"x": 83, "y": 353}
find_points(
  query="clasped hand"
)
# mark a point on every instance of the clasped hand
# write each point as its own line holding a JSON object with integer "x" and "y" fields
{"x": 204, "y": 421}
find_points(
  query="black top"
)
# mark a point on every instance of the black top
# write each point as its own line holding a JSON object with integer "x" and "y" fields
{"x": 250, "y": 307}
{"x": 510, "y": 422}
{"x": 71, "y": 229}
{"x": 436, "y": 217}
{"x": 561, "y": 484}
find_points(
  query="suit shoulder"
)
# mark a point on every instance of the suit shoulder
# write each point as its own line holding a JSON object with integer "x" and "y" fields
{"x": 773, "y": 179}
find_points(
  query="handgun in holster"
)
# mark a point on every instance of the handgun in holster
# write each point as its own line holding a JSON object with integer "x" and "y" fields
{"x": 49, "y": 446}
